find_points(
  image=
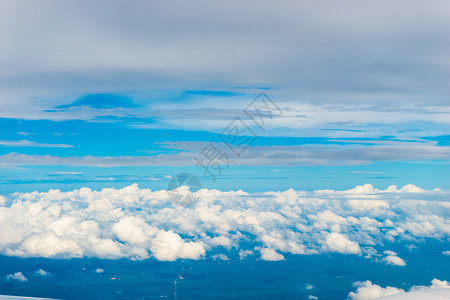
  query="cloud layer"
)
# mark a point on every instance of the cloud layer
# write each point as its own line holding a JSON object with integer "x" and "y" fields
{"x": 378, "y": 54}
{"x": 139, "y": 223}
{"x": 367, "y": 290}
{"x": 304, "y": 155}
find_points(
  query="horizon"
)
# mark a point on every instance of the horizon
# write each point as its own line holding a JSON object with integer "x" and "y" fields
{"x": 295, "y": 149}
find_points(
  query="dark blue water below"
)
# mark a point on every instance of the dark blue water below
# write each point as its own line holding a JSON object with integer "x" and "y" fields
{"x": 331, "y": 275}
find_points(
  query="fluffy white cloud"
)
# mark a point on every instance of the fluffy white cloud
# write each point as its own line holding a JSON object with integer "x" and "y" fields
{"x": 395, "y": 260}
{"x": 270, "y": 255}
{"x": 244, "y": 253}
{"x": 220, "y": 257}
{"x": 366, "y": 290}
{"x": 339, "y": 243}
{"x": 139, "y": 223}
{"x": 435, "y": 284}
{"x": 392, "y": 258}
{"x": 169, "y": 246}
{"x": 42, "y": 273}
{"x": 17, "y": 276}
{"x": 99, "y": 271}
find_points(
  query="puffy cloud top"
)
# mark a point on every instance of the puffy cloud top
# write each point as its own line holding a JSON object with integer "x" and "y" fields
{"x": 367, "y": 290}
{"x": 139, "y": 223}
{"x": 17, "y": 276}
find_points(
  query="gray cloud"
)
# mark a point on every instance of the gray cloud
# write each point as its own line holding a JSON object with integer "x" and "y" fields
{"x": 308, "y": 155}
{"x": 26, "y": 143}
{"x": 328, "y": 51}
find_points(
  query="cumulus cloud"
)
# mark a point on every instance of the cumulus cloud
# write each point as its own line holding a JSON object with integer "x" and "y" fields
{"x": 244, "y": 253}
{"x": 339, "y": 243}
{"x": 42, "y": 273}
{"x": 139, "y": 223}
{"x": 367, "y": 290}
{"x": 392, "y": 258}
{"x": 169, "y": 246}
{"x": 435, "y": 284}
{"x": 17, "y": 276}
{"x": 395, "y": 260}
{"x": 270, "y": 255}
{"x": 99, "y": 271}
{"x": 220, "y": 257}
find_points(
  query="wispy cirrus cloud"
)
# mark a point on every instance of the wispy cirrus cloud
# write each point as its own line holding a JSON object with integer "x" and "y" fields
{"x": 26, "y": 143}
{"x": 306, "y": 155}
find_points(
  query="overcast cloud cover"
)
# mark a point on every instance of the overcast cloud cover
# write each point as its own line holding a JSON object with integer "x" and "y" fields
{"x": 372, "y": 56}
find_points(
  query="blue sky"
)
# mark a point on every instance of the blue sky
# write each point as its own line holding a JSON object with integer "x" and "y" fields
{"x": 320, "y": 131}
{"x": 116, "y": 145}
{"x": 363, "y": 91}
{"x": 94, "y": 100}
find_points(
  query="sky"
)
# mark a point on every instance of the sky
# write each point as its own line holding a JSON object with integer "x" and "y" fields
{"x": 313, "y": 127}
{"x": 108, "y": 91}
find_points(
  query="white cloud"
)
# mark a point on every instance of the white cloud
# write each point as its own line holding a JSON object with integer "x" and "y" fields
{"x": 99, "y": 271}
{"x": 435, "y": 284}
{"x": 313, "y": 297}
{"x": 17, "y": 276}
{"x": 392, "y": 258}
{"x": 310, "y": 155}
{"x": 220, "y": 257}
{"x": 139, "y": 223}
{"x": 133, "y": 230}
{"x": 270, "y": 255}
{"x": 244, "y": 253}
{"x": 395, "y": 260}
{"x": 366, "y": 291}
{"x": 339, "y": 243}
{"x": 25, "y": 143}
{"x": 42, "y": 273}
{"x": 169, "y": 246}
{"x": 446, "y": 252}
